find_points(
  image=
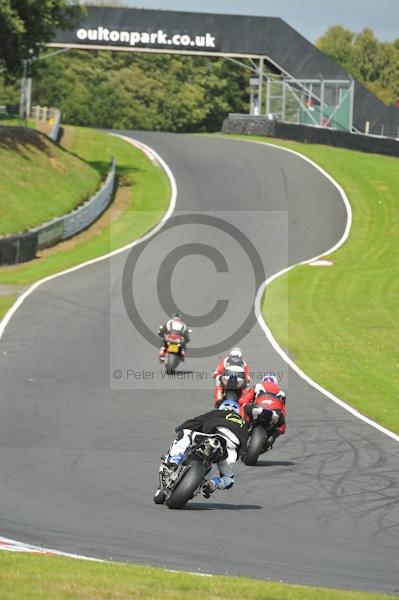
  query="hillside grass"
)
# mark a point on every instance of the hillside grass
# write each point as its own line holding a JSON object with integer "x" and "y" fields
{"x": 39, "y": 180}
{"x": 58, "y": 578}
{"x": 342, "y": 323}
{"x": 144, "y": 186}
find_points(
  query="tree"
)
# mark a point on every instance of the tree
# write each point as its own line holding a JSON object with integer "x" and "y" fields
{"x": 373, "y": 63}
{"x": 337, "y": 43}
{"x": 365, "y": 55}
{"x": 124, "y": 90}
{"x": 26, "y": 25}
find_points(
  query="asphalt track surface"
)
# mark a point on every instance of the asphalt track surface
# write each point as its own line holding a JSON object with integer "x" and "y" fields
{"x": 80, "y": 449}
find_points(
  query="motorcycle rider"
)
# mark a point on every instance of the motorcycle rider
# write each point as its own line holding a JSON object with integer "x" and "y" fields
{"x": 234, "y": 362}
{"x": 267, "y": 391}
{"x": 174, "y": 325}
{"x": 227, "y": 423}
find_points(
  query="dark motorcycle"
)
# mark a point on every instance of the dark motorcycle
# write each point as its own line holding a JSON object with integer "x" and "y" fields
{"x": 233, "y": 383}
{"x": 174, "y": 351}
{"x": 261, "y": 429}
{"x": 180, "y": 484}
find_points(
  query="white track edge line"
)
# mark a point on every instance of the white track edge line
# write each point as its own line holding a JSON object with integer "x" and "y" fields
{"x": 262, "y": 289}
{"x": 32, "y": 549}
{"x": 10, "y": 313}
{"x": 172, "y": 203}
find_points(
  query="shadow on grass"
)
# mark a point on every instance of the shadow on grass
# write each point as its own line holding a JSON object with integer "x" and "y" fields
{"x": 103, "y": 166}
{"x": 21, "y": 139}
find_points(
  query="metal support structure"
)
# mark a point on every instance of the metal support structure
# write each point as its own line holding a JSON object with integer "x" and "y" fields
{"x": 22, "y": 98}
{"x": 28, "y": 96}
{"x": 351, "y": 101}
{"x": 260, "y": 84}
{"x": 284, "y": 102}
{"x": 25, "y": 100}
{"x": 268, "y": 94}
{"x": 318, "y": 102}
{"x": 322, "y": 96}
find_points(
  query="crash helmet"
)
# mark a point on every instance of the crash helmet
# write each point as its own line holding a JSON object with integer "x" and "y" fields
{"x": 270, "y": 378}
{"x": 176, "y": 315}
{"x": 236, "y": 353}
{"x": 230, "y": 405}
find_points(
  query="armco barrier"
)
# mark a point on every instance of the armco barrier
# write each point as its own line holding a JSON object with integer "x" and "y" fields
{"x": 68, "y": 225}
{"x": 55, "y": 131}
{"x": 20, "y": 248}
{"x": 50, "y": 115}
{"x": 258, "y": 125}
{"x": 16, "y": 249}
{"x": 83, "y": 216}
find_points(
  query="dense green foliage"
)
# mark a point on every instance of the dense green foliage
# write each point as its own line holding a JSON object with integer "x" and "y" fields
{"x": 26, "y": 25}
{"x": 373, "y": 63}
{"x": 146, "y": 91}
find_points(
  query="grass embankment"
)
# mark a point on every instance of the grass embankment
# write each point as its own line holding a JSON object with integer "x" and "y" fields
{"x": 56, "y": 578}
{"x": 39, "y": 180}
{"x": 343, "y": 320}
{"x": 142, "y": 198}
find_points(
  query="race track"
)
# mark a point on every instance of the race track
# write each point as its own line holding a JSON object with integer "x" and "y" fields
{"x": 80, "y": 447}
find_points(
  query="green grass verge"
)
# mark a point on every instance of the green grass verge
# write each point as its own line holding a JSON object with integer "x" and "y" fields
{"x": 56, "y": 578}
{"x": 39, "y": 180}
{"x": 6, "y": 302}
{"x": 148, "y": 188}
{"x": 342, "y": 321}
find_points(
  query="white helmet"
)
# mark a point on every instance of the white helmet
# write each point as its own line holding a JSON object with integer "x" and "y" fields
{"x": 236, "y": 352}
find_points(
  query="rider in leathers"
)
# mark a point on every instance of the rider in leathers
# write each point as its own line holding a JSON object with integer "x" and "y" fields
{"x": 224, "y": 421}
{"x": 254, "y": 403}
{"x": 173, "y": 325}
{"x": 234, "y": 362}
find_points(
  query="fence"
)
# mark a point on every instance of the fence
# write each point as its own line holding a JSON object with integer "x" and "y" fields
{"x": 313, "y": 101}
{"x": 20, "y": 248}
{"x": 381, "y": 130}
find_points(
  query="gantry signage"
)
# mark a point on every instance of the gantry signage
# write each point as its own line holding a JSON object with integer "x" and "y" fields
{"x": 167, "y": 31}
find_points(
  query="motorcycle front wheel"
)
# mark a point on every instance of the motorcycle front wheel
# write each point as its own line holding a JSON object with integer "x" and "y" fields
{"x": 187, "y": 485}
{"x": 159, "y": 496}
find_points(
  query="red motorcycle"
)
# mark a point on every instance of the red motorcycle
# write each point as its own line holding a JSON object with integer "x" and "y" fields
{"x": 262, "y": 426}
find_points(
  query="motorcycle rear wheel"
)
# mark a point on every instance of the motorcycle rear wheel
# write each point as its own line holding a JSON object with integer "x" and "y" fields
{"x": 186, "y": 487}
{"x": 171, "y": 362}
{"x": 255, "y": 446}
